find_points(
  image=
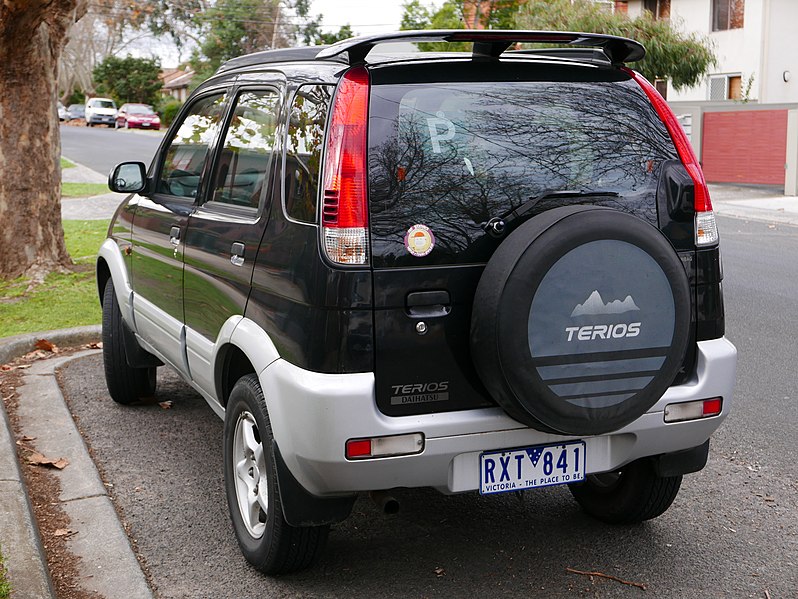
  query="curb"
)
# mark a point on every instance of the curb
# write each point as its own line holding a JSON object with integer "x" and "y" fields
{"x": 19, "y": 535}
{"x": 100, "y": 540}
{"x": 19, "y": 345}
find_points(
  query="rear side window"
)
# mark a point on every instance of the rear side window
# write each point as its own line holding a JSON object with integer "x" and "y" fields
{"x": 303, "y": 150}
{"x": 244, "y": 165}
{"x": 451, "y": 156}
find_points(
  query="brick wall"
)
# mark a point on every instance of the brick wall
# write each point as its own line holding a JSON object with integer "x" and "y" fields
{"x": 745, "y": 146}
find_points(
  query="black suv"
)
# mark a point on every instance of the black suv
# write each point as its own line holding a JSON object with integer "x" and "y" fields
{"x": 492, "y": 270}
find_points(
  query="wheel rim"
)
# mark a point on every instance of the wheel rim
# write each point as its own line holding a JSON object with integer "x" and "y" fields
{"x": 605, "y": 482}
{"x": 249, "y": 466}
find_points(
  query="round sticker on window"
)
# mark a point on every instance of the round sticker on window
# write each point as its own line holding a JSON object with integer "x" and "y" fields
{"x": 419, "y": 240}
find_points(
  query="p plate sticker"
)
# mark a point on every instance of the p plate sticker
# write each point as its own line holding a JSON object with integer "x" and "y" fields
{"x": 419, "y": 241}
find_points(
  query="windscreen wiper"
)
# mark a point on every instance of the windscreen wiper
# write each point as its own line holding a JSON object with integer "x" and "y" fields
{"x": 497, "y": 226}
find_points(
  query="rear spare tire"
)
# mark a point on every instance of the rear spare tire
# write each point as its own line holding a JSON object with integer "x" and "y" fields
{"x": 581, "y": 320}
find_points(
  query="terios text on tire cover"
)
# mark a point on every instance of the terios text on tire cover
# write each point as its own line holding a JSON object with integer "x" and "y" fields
{"x": 484, "y": 271}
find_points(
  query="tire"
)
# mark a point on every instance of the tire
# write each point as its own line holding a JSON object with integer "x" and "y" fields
{"x": 630, "y": 496}
{"x": 126, "y": 384}
{"x": 581, "y": 320}
{"x": 267, "y": 541}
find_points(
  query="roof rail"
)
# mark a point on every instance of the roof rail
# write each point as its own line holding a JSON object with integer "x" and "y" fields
{"x": 490, "y": 43}
{"x": 267, "y": 56}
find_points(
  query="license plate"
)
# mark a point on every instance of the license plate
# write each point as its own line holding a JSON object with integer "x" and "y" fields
{"x": 531, "y": 467}
{"x": 145, "y": 124}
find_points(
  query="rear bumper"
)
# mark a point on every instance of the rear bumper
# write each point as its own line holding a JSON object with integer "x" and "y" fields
{"x": 314, "y": 414}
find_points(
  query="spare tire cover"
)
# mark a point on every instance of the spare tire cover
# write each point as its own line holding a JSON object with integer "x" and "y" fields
{"x": 581, "y": 320}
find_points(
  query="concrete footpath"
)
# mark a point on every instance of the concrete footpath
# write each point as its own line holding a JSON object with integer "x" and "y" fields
{"x": 99, "y": 207}
{"x": 97, "y": 538}
{"x": 108, "y": 563}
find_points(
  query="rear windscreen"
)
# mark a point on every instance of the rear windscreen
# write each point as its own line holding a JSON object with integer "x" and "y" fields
{"x": 446, "y": 158}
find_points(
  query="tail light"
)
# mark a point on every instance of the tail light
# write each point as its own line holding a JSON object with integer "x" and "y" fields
{"x": 706, "y": 229}
{"x": 344, "y": 216}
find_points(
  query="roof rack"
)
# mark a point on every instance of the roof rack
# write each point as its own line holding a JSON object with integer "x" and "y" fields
{"x": 267, "y": 56}
{"x": 490, "y": 43}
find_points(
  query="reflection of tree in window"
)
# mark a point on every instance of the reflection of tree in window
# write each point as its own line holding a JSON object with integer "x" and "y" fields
{"x": 187, "y": 152}
{"x": 727, "y": 14}
{"x": 452, "y": 156}
{"x": 246, "y": 156}
{"x": 303, "y": 150}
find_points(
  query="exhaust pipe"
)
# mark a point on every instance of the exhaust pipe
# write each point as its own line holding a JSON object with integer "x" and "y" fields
{"x": 387, "y": 503}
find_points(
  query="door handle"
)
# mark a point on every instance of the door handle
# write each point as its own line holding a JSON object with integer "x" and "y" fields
{"x": 428, "y": 304}
{"x": 174, "y": 236}
{"x": 237, "y": 251}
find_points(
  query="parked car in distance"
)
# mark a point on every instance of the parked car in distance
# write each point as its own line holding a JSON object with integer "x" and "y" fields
{"x": 137, "y": 115}
{"x": 100, "y": 111}
{"x": 488, "y": 271}
{"x": 62, "y": 113}
{"x": 76, "y": 111}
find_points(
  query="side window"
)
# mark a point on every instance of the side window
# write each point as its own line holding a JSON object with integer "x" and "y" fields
{"x": 303, "y": 150}
{"x": 185, "y": 157}
{"x": 242, "y": 173}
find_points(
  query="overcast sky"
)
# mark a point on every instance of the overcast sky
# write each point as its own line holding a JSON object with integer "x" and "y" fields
{"x": 365, "y": 16}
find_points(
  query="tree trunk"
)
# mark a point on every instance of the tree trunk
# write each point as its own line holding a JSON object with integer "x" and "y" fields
{"x": 32, "y": 36}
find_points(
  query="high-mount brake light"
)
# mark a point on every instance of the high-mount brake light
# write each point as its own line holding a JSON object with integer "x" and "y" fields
{"x": 706, "y": 230}
{"x": 344, "y": 216}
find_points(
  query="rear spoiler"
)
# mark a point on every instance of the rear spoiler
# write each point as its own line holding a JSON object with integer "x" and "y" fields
{"x": 489, "y": 43}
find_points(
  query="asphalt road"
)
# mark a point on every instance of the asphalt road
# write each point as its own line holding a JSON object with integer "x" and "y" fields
{"x": 732, "y": 532}
{"x": 102, "y": 148}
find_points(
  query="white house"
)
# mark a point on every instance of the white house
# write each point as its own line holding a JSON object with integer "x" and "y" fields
{"x": 754, "y": 44}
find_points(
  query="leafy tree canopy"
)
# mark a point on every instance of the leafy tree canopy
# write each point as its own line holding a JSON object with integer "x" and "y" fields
{"x": 129, "y": 79}
{"x": 670, "y": 54}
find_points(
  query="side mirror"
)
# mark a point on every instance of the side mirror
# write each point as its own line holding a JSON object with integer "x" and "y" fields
{"x": 128, "y": 177}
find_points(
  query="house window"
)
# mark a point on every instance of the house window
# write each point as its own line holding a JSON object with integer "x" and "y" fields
{"x": 662, "y": 87}
{"x": 727, "y": 14}
{"x": 659, "y": 9}
{"x": 725, "y": 87}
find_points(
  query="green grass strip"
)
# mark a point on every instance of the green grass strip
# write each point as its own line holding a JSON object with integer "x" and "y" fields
{"x": 5, "y": 585}
{"x": 83, "y": 190}
{"x": 67, "y": 163}
{"x": 63, "y": 300}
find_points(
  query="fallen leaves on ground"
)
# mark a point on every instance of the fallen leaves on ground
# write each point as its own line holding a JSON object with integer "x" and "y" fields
{"x": 37, "y": 459}
{"x": 166, "y": 405}
{"x": 439, "y": 572}
{"x": 639, "y": 585}
{"x": 95, "y": 345}
{"x": 64, "y": 532}
{"x": 45, "y": 345}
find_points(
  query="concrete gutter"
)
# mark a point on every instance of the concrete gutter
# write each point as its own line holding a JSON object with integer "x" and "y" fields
{"x": 19, "y": 535}
{"x": 107, "y": 562}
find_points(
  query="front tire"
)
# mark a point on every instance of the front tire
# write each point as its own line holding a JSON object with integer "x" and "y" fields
{"x": 125, "y": 383}
{"x": 267, "y": 541}
{"x": 629, "y": 496}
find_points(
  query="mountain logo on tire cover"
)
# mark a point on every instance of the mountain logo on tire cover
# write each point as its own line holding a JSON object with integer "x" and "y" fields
{"x": 595, "y": 306}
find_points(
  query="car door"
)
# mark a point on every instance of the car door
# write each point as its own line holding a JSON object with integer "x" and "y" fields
{"x": 160, "y": 222}
{"x": 224, "y": 232}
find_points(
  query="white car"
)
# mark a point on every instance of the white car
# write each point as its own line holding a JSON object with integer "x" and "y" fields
{"x": 100, "y": 111}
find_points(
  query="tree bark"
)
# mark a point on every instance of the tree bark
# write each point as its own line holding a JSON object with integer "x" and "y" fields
{"x": 32, "y": 36}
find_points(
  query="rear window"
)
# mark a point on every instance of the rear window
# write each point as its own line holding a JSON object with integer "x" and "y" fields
{"x": 452, "y": 155}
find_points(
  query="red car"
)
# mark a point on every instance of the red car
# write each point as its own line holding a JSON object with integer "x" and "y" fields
{"x": 137, "y": 115}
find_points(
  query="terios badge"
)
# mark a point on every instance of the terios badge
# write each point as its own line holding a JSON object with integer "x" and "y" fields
{"x": 419, "y": 241}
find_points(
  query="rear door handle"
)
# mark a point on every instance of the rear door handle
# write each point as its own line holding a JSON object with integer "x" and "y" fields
{"x": 174, "y": 236}
{"x": 237, "y": 251}
{"x": 428, "y": 304}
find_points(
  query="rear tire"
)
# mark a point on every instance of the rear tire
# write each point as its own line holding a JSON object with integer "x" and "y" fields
{"x": 630, "y": 496}
{"x": 125, "y": 384}
{"x": 267, "y": 541}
